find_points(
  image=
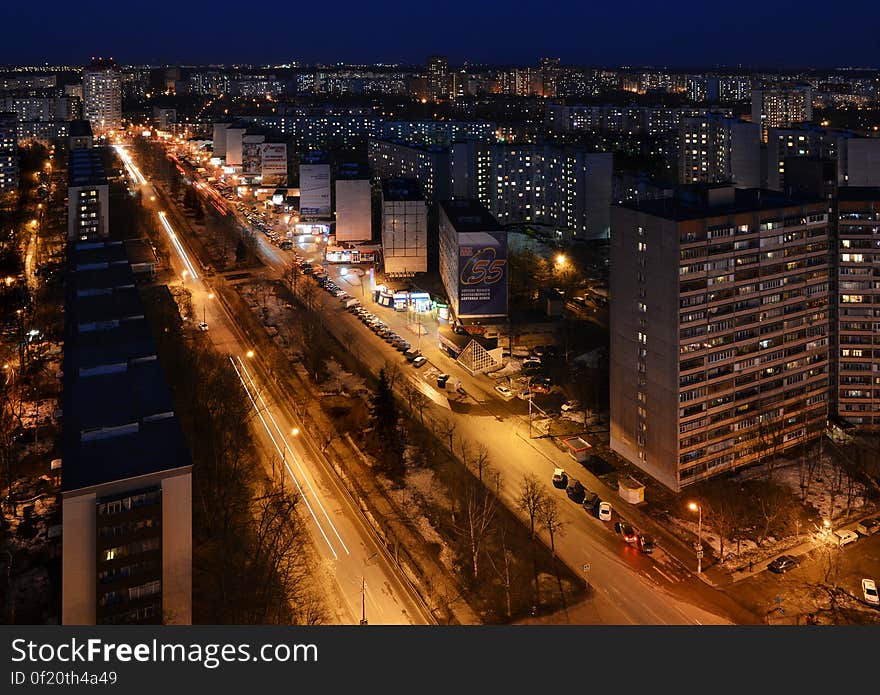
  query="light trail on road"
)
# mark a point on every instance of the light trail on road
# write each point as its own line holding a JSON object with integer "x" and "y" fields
{"x": 242, "y": 371}
{"x": 177, "y": 245}
{"x": 130, "y": 166}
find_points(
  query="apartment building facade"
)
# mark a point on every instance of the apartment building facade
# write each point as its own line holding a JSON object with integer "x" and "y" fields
{"x": 720, "y": 330}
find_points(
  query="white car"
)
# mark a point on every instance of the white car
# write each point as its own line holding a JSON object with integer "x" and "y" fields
{"x": 504, "y": 391}
{"x": 844, "y": 537}
{"x": 869, "y": 591}
{"x": 203, "y": 326}
{"x": 604, "y": 511}
{"x": 570, "y": 405}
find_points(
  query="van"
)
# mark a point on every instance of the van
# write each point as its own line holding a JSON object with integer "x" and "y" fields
{"x": 844, "y": 537}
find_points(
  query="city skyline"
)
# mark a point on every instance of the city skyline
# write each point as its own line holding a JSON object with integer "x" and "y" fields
{"x": 491, "y": 34}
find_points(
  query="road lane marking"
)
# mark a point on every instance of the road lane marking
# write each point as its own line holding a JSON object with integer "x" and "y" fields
{"x": 292, "y": 455}
{"x": 278, "y": 449}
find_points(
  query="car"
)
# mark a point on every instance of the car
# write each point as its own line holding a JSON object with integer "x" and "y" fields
{"x": 646, "y": 544}
{"x": 844, "y": 537}
{"x": 869, "y": 591}
{"x": 560, "y": 478}
{"x": 869, "y": 526}
{"x": 627, "y": 531}
{"x": 591, "y": 502}
{"x": 411, "y": 354}
{"x": 419, "y": 361}
{"x": 783, "y": 563}
{"x": 203, "y": 326}
{"x": 575, "y": 490}
{"x": 526, "y": 395}
{"x": 605, "y": 511}
{"x": 540, "y": 385}
{"x": 504, "y": 391}
{"x": 441, "y": 380}
{"x": 531, "y": 366}
{"x": 569, "y": 405}
{"x": 401, "y": 345}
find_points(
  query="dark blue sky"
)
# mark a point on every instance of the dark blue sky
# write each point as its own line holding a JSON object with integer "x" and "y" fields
{"x": 686, "y": 33}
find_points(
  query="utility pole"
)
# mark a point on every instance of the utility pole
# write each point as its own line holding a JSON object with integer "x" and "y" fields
{"x": 363, "y": 601}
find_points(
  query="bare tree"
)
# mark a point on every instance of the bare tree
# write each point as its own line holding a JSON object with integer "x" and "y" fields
{"x": 291, "y": 277}
{"x": 478, "y": 512}
{"x": 481, "y": 460}
{"x": 392, "y": 373}
{"x": 503, "y": 571}
{"x": 551, "y": 519}
{"x": 446, "y": 429}
{"x": 768, "y": 441}
{"x": 308, "y": 295}
{"x": 530, "y": 498}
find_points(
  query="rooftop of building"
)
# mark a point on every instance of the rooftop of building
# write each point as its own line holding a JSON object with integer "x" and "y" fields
{"x": 697, "y": 201}
{"x": 858, "y": 193}
{"x": 96, "y": 254}
{"x": 99, "y": 279}
{"x": 468, "y": 215}
{"x": 400, "y": 189}
{"x": 119, "y": 344}
{"x": 155, "y": 446}
{"x": 139, "y": 251}
{"x": 85, "y": 169}
{"x": 422, "y": 147}
{"x": 112, "y": 305}
{"x": 80, "y": 128}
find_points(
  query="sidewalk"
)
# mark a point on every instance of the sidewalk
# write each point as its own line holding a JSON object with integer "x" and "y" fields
{"x": 725, "y": 576}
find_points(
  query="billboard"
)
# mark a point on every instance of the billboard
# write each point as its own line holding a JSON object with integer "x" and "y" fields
{"x": 274, "y": 164}
{"x": 251, "y": 158}
{"x": 354, "y": 221}
{"x": 482, "y": 274}
{"x": 314, "y": 189}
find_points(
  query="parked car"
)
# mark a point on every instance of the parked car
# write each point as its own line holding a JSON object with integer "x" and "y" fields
{"x": 203, "y": 326}
{"x": 604, "y": 511}
{"x": 560, "y": 478}
{"x": 419, "y": 361}
{"x": 783, "y": 563}
{"x": 869, "y": 527}
{"x": 646, "y": 543}
{"x": 540, "y": 385}
{"x": 570, "y": 405}
{"x": 411, "y": 354}
{"x": 591, "y": 502}
{"x": 504, "y": 391}
{"x": 844, "y": 536}
{"x": 575, "y": 490}
{"x": 531, "y": 366}
{"x": 869, "y": 591}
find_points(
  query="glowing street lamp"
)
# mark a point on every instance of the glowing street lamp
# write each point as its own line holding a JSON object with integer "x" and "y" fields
{"x": 295, "y": 432}
{"x": 249, "y": 354}
{"x": 694, "y": 507}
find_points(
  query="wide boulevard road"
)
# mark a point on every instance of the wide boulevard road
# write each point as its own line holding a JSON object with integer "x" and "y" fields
{"x": 358, "y": 578}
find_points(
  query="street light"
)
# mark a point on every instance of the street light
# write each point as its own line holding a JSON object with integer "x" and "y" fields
{"x": 694, "y": 507}
{"x": 249, "y": 354}
{"x": 205, "y": 307}
{"x": 294, "y": 432}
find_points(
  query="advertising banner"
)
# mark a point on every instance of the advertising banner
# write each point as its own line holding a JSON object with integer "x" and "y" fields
{"x": 314, "y": 189}
{"x": 274, "y": 164}
{"x": 482, "y": 274}
{"x": 251, "y": 158}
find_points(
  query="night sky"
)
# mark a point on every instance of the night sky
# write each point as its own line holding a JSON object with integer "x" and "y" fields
{"x": 679, "y": 34}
